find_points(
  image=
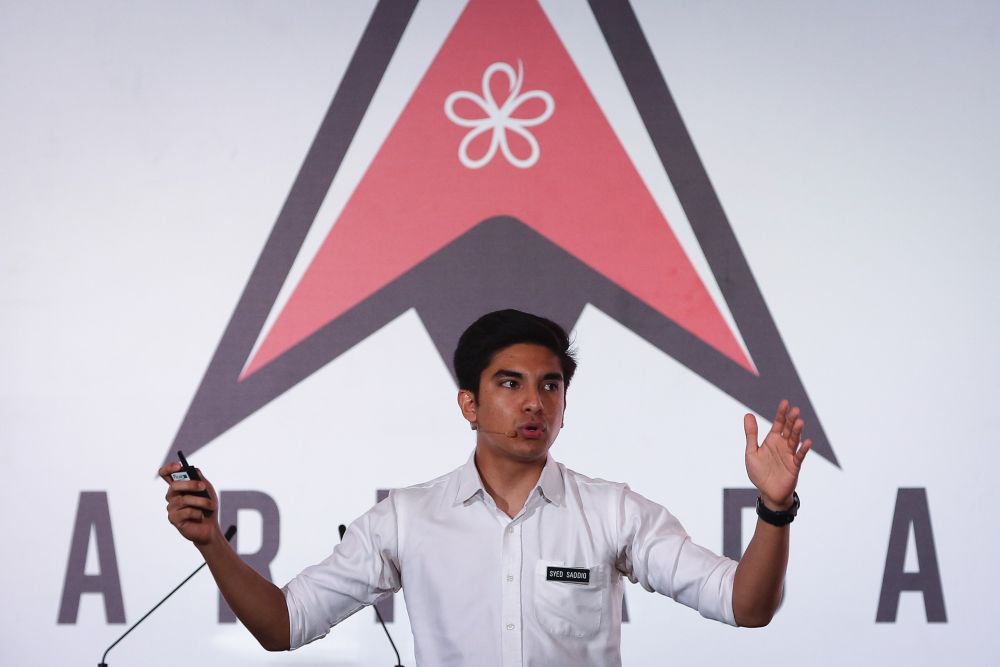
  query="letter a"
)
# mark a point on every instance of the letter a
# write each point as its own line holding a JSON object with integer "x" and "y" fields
{"x": 92, "y": 514}
{"x": 911, "y": 508}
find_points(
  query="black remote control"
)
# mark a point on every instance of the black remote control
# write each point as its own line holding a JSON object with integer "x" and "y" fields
{"x": 189, "y": 473}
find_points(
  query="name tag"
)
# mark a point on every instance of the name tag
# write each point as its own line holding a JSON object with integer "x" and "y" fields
{"x": 569, "y": 575}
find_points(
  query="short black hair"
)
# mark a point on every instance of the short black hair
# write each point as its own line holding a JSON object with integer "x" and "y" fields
{"x": 500, "y": 329}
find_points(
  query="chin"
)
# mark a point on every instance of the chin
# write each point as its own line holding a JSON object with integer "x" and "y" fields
{"x": 534, "y": 451}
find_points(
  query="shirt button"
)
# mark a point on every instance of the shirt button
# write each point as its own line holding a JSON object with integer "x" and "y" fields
{"x": 510, "y": 531}
{"x": 510, "y": 626}
{"x": 510, "y": 577}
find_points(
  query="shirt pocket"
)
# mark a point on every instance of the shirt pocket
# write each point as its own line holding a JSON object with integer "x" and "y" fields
{"x": 570, "y": 609}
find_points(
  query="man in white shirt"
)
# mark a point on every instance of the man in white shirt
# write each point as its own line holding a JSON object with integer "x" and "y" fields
{"x": 512, "y": 559}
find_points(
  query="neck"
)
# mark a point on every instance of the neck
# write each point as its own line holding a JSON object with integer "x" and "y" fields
{"x": 508, "y": 482}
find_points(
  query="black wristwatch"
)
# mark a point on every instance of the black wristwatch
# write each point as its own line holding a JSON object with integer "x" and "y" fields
{"x": 782, "y": 518}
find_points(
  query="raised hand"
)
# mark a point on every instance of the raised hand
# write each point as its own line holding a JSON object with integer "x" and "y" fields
{"x": 194, "y": 517}
{"x": 773, "y": 466}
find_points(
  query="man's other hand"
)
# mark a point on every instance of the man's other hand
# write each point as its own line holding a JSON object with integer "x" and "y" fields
{"x": 194, "y": 517}
{"x": 773, "y": 466}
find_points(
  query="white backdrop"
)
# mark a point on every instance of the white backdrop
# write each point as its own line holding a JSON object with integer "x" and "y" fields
{"x": 146, "y": 148}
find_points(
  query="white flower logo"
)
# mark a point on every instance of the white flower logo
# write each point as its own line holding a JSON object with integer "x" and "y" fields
{"x": 500, "y": 118}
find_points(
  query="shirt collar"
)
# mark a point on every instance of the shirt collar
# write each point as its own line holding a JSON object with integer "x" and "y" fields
{"x": 469, "y": 483}
{"x": 550, "y": 482}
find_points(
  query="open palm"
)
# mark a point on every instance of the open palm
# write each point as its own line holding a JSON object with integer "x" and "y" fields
{"x": 773, "y": 466}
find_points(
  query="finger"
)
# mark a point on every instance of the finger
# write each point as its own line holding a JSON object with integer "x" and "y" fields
{"x": 185, "y": 515}
{"x": 188, "y": 500}
{"x": 187, "y": 486}
{"x": 779, "y": 418}
{"x": 165, "y": 471}
{"x": 190, "y": 512}
{"x": 803, "y": 450}
{"x": 796, "y": 435}
{"x": 790, "y": 418}
{"x": 750, "y": 429}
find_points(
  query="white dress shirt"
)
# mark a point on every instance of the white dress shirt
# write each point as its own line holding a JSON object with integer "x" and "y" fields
{"x": 484, "y": 589}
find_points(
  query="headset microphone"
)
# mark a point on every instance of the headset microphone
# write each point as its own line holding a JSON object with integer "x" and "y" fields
{"x": 510, "y": 434}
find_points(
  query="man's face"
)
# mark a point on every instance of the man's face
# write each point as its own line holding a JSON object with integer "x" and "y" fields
{"x": 521, "y": 402}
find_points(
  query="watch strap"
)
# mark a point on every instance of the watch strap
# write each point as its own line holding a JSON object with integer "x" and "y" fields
{"x": 782, "y": 518}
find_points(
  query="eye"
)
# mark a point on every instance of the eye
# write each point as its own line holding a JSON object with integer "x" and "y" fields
{"x": 551, "y": 386}
{"x": 509, "y": 384}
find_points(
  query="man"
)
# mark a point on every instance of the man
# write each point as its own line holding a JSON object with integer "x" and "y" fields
{"x": 512, "y": 559}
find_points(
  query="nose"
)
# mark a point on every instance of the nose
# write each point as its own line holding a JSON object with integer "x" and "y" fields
{"x": 532, "y": 401}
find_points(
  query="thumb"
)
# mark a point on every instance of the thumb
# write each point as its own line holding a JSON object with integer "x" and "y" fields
{"x": 750, "y": 428}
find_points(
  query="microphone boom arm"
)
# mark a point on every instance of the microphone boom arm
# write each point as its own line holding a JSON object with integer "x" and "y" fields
{"x": 229, "y": 535}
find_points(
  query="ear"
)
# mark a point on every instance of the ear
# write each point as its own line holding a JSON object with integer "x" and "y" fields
{"x": 469, "y": 407}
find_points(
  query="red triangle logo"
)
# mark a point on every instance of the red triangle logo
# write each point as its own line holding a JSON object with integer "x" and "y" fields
{"x": 501, "y": 124}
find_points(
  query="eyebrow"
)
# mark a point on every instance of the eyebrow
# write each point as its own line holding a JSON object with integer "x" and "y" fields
{"x": 517, "y": 375}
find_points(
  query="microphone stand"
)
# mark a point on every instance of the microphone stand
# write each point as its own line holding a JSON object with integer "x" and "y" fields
{"x": 399, "y": 663}
{"x": 229, "y": 536}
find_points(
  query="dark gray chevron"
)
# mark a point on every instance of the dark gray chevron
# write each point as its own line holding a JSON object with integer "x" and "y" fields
{"x": 500, "y": 263}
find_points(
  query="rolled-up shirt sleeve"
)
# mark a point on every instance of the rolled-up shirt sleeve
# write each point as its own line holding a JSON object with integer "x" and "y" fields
{"x": 361, "y": 569}
{"x": 657, "y": 553}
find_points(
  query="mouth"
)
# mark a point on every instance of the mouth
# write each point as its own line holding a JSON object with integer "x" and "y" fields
{"x": 532, "y": 430}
